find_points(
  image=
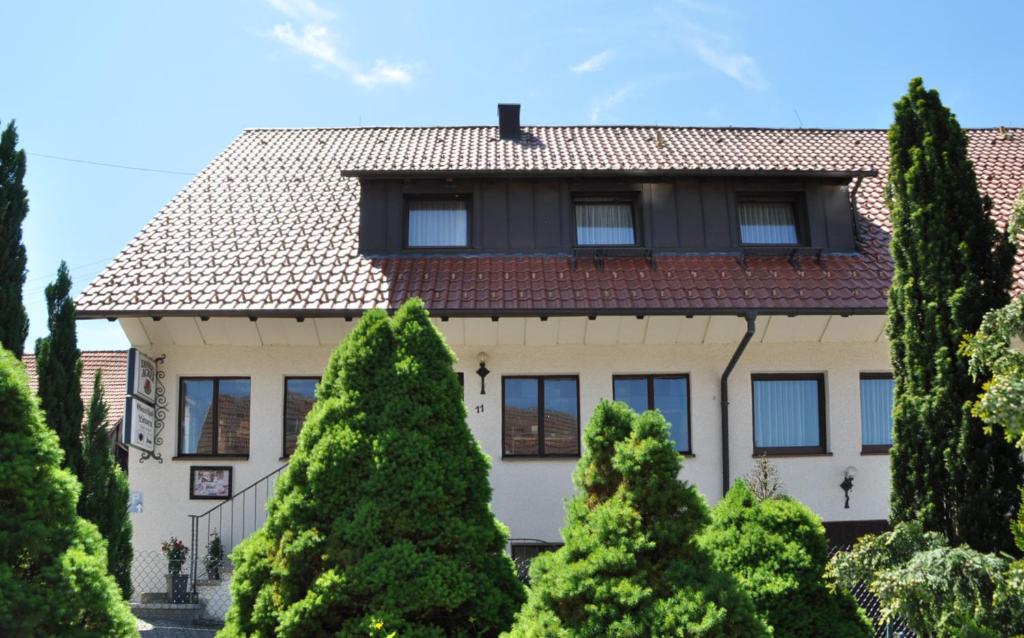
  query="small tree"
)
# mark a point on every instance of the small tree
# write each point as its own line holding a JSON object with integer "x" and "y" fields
{"x": 104, "y": 499}
{"x": 381, "y": 523}
{"x": 13, "y": 209}
{"x": 777, "y": 550}
{"x": 630, "y": 566}
{"x": 53, "y": 564}
{"x": 59, "y": 366}
{"x": 950, "y": 267}
{"x": 764, "y": 480}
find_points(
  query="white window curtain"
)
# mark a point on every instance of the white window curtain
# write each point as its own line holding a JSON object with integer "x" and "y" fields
{"x": 786, "y": 413}
{"x": 767, "y": 223}
{"x": 604, "y": 224}
{"x": 876, "y": 397}
{"x": 437, "y": 223}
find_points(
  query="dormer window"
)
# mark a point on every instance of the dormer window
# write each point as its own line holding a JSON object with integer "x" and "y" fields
{"x": 769, "y": 221}
{"x": 605, "y": 222}
{"x": 437, "y": 222}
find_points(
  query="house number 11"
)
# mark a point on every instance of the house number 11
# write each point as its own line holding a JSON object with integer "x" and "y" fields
{"x": 480, "y": 409}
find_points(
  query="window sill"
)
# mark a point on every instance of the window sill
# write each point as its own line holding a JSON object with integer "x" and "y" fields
{"x": 875, "y": 450}
{"x": 210, "y": 457}
{"x": 788, "y": 453}
{"x": 540, "y": 457}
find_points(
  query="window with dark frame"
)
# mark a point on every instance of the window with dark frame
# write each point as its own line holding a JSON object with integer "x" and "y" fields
{"x": 214, "y": 416}
{"x": 769, "y": 221}
{"x": 540, "y": 416}
{"x": 605, "y": 221}
{"x": 669, "y": 393}
{"x": 876, "y": 399}
{"x": 789, "y": 413}
{"x": 299, "y": 396}
{"x": 437, "y": 222}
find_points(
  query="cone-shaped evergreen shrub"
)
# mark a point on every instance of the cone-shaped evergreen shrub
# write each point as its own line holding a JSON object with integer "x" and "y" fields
{"x": 53, "y": 564}
{"x": 631, "y": 565}
{"x": 777, "y": 550}
{"x": 104, "y": 499}
{"x": 381, "y": 523}
{"x": 951, "y": 266}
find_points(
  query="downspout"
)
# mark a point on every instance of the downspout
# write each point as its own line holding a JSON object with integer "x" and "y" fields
{"x": 751, "y": 318}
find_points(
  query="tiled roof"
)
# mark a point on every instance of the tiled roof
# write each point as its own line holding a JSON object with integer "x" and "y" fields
{"x": 271, "y": 226}
{"x": 114, "y": 366}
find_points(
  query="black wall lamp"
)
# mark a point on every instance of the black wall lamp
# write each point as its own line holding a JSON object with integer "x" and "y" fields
{"x": 849, "y": 474}
{"x": 482, "y": 371}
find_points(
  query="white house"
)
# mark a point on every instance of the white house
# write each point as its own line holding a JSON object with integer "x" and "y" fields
{"x": 735, "y": 279}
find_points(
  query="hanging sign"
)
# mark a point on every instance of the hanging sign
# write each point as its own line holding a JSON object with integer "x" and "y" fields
{"x": 139, "y": 424}
{"x": 141, "y": 376}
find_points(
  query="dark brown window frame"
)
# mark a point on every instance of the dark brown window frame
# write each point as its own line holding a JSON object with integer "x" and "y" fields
{"x": 650, "y": 399}
{"x": 285, "y": 454}
{"x": 802, "y": 450}
{"x": 797, "y": 200}
{"x": 612, "y": 197}
{"x": 406, "y": 209}
{"x": 877, "y": 448}
{"x": 216, "y": 418}
{"x": 540, "y": 416}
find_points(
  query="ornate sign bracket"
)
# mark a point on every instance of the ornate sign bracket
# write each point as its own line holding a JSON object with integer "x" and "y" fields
{"x": 161, "y": 413}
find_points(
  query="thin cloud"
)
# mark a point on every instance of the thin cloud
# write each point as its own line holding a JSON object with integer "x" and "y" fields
{"x": 593, "y": 63}
{"x": 737, "y": 65}
{"x": 704, "y": 7}
{"x": 602, "y": 106}
{"x": 316, "y": 40}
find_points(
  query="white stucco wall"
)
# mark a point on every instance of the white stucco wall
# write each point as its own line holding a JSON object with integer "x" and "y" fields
{"x": 529, "y": 493}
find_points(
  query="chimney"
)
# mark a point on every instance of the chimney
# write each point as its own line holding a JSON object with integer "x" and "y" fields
{"x": 508, "y": 121}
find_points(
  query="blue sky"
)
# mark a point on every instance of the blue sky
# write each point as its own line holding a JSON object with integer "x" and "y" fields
{"x": 168, "y": 85}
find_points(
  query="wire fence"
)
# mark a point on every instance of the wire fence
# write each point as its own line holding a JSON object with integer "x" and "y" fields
{"x": 163, "y": 589}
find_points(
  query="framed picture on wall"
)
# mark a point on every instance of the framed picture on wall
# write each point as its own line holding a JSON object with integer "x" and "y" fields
{"x": 209, "y": 482}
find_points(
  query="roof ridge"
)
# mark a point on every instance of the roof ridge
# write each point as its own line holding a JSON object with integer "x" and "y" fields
{"x": 604, "y": 126}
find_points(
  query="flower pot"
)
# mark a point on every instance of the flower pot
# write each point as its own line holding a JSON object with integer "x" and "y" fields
{"x": 177, "y": 589}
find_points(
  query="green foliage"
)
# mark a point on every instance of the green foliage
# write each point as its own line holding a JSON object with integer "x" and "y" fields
{"x": 776, "y": 548}
{"x": 59, "y": 366}
{"x": 936, "y": 589}
{"x": 382, "y": 518}
{"x": 630, "y": 565}
{"x": 53, "y": 564}
{"x": 950, "y": 267}
{"x": 104, "y": 499}
{"x": 13, "y": 209}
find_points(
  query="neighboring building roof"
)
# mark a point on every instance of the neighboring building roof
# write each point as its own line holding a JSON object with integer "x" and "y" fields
{"x": 114, "y": 366}
{"x": 270, "y": 227}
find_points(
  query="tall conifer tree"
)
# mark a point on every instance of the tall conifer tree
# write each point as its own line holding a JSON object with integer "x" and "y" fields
{"x": 950, "y": 267}
{"x": 13, "y": 209}
{"x": 381, "y": 524}
{"x": 104, "y": 499}
{"x": 59, "y": 365}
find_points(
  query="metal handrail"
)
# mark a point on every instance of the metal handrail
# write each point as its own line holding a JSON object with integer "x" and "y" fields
{"x": 237, "y": 527}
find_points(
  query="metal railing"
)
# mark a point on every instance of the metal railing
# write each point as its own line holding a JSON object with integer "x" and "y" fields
{"x": 232, "y": 521}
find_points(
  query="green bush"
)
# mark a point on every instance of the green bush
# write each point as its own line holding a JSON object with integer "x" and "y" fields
{"x": 938, "y": 590}
{"x": 777, "y": 550}
{"x": 381, "y": 523}
{"x": 630, "y": 565}
{"x": 53, "y": 564}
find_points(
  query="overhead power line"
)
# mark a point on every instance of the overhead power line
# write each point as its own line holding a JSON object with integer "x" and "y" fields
{"x": 109, "y": 165}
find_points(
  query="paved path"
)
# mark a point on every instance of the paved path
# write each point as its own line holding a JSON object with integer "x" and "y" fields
{"x": 167, "y": 629}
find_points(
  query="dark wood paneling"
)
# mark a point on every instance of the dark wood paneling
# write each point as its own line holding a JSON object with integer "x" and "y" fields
{"x": 373, "y": 209}
{"x": 520, "y": 216}
{"x": 847, "y": 532}
{"x": 536, "y": 215}
{"x": 689, "y": 216}
{"x": 839, "y": 218}
{"x": 717, "y": 215}
{"x": 547, "y": 215}
{"x": 663, "y": 228}
{"x": 494, "y": 216}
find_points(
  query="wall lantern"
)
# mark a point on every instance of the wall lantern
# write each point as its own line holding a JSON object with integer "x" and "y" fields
{"x": 482, "y": 371}
{"x": 849, "y": 474}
